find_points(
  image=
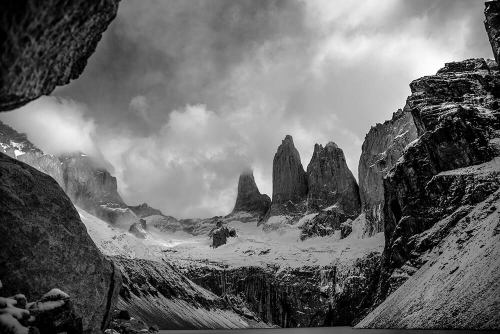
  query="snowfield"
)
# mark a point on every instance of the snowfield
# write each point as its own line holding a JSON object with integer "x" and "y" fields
{"x": 251, "y": 247}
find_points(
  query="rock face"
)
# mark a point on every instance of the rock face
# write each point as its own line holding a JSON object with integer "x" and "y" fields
{"x": 93, "y": 189}
{"x": 456, "y": 113}
{"x": 45, "y": 244}
{"x": 38, "y": 55}
{"x": 249, "y": 198}
{"x": 88, "y": 185}
{"x": 152, "y": 290}
{"x": 330, "y": 182}
{"x": 492, "y": 24}
{"x": 383, "y": 146}
{"x": 289, "y": 177}
{"x": 313, "y": 296}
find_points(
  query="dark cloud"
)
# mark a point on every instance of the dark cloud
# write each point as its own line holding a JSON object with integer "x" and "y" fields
{"x": 183, "y": 95}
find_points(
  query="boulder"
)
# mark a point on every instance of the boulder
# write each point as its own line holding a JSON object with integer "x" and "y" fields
{"x": 45, "y": 244}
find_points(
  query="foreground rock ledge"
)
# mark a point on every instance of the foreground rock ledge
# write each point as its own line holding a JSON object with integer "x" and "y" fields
{"x": 46, "y": 44}
{"x": 45, "y": 245}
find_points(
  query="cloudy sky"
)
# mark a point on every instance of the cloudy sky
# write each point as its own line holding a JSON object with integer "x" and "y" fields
{"x": 181, "y": 96}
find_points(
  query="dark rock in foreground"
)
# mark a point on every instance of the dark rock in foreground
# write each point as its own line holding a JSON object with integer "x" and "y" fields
{"x": 47, "y": 44}
{"x": 220, "y": 233}
{"x": 45, "y": 244}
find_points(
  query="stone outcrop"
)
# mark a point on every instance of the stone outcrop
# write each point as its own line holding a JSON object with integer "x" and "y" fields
{"x": 139, "y": 229}
{"x": 144, "y": 210}
{"x": 492, "y": 24}
{"x": 249, "y": 199}
{"x": 45, "y": 244}
{"x": 289, "y": 177}
{"x": 153, "y": 289}
{"x": 313, "y": 296}
{"x": 330, "y": 181}
{"x": 38, "y": 54}
{"x": 383, "y": 146}
{"x": 220, "y": 233}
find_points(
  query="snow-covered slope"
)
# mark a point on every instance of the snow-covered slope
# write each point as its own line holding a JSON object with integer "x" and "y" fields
{"x": 459, "y": 285}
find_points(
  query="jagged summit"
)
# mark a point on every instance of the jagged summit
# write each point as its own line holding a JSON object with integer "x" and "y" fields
{"x": 331, "y": 182}
{"x": 289, "y": 177}
{"x": 144, "y": 210}
{"x": 249, "y": 198}
{"x": 331, "y": 145}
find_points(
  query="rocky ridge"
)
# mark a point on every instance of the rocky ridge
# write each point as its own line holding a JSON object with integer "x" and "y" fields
{"x": 37, "y": 54}
{"x": 88, "y": 185}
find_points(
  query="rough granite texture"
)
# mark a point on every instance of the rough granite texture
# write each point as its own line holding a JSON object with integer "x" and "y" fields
{"x": 45, "y": 245}
{"x": 330, "y": 181}
{"x": 47, "y": 44}
{"x": 492, "y": 25}
{"x": 383, "y": 146}
{"x": 249, "y": 199}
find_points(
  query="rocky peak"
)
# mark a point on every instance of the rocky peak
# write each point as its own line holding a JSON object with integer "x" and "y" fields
{"x": 492, "y": 25}
{"x": 383, "y": 146}
{"x": 330, "y": 182}
{"x": 144, "y": 210}
{"x": 249, "y": 198}
{"x": 289, "y": 177}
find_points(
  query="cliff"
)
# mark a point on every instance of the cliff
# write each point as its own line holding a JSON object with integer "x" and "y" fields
{"x": 158, "y": 294}
{"x": 383, "y": 146}
{"x": 440, "y": 214}
{"x": 37, "y": 54}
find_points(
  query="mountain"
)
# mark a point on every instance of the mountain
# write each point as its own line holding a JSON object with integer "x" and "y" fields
{"x": 440, "y": 203}
{"x": 144, "y": 210}
{"x": 330, "y": 182}
{"x": 88, "y": 185}
{"x": 249, "y": 199}
{"x": 289, "y": 177}
{"x": 383, "y": 146}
